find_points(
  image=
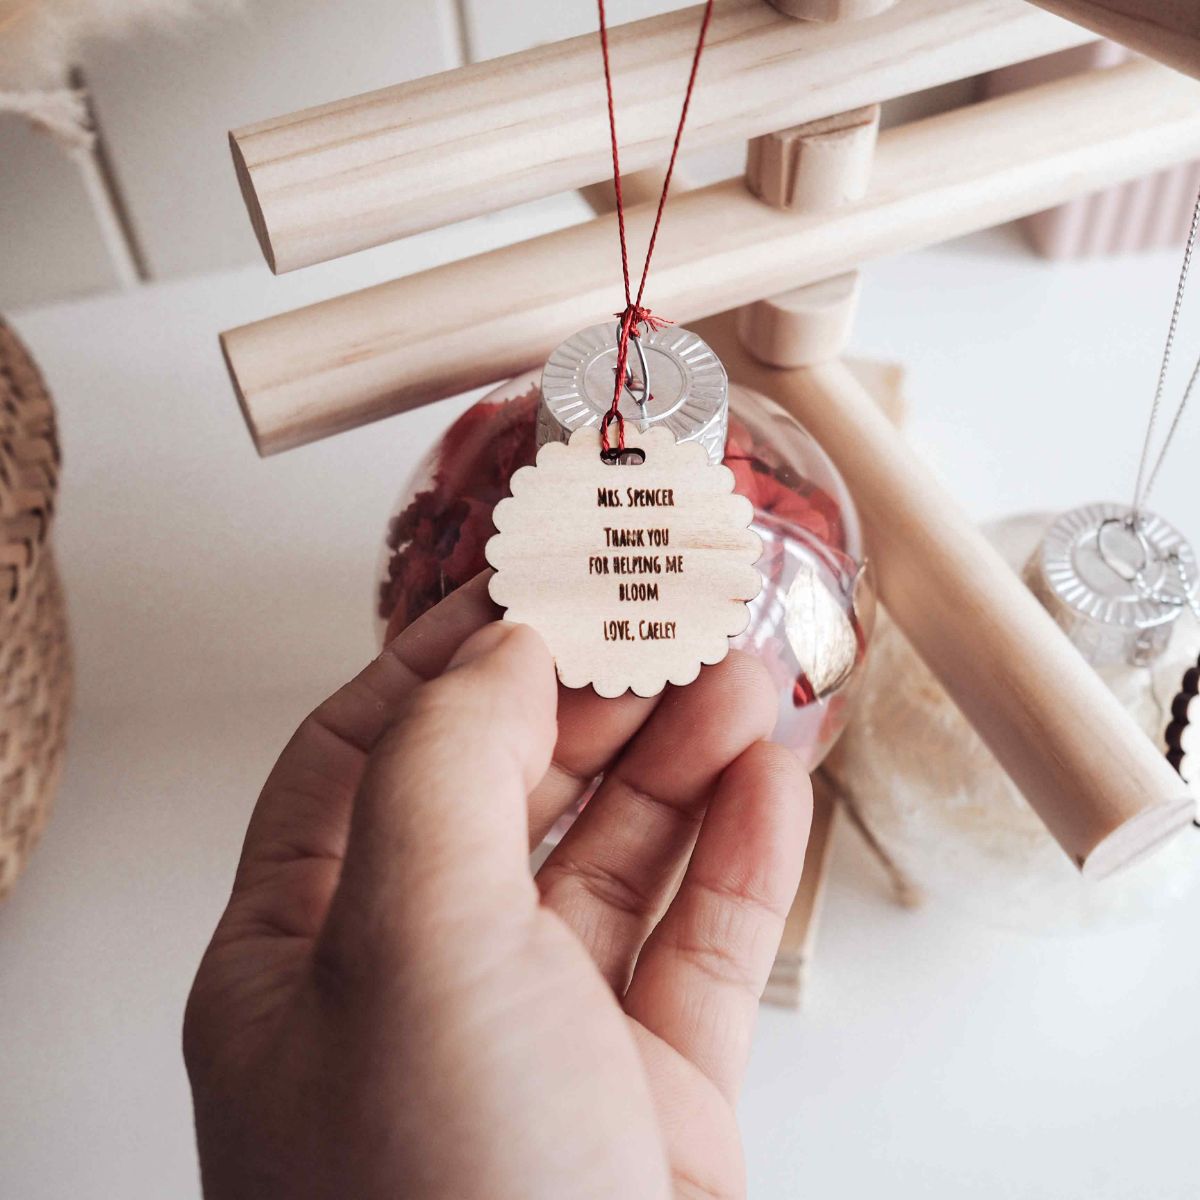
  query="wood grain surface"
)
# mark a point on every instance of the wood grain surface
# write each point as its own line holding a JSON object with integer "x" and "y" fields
{"x": 635, "y": 576}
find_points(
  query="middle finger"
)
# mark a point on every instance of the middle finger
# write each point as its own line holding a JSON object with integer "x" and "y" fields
{"x": 611, "y": 876}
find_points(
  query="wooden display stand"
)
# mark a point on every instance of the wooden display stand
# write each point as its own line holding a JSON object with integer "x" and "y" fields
{"x": 823, "y": 194}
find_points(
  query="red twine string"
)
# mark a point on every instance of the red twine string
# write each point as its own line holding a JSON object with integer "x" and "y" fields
{"x": 634, "y": 316}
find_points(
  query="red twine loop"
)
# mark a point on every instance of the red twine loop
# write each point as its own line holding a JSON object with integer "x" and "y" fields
{"x": 635, "y": 316}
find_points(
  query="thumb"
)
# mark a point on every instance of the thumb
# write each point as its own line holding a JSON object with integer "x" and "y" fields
{"x": 438, "y": 838}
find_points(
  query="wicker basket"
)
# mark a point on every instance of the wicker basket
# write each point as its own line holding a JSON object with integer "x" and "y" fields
{"x": 35, "y": 661}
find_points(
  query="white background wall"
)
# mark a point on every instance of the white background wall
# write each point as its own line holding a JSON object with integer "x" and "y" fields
{"x": 166, "y": 101}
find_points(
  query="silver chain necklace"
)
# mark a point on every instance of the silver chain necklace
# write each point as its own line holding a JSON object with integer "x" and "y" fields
{"x": 1135, "y": 571}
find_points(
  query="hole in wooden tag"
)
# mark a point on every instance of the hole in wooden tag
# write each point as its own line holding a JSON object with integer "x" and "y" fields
{"x": 631, "y": 456}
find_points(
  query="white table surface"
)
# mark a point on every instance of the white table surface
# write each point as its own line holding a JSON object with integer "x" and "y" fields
{"x": 216, "y": 597}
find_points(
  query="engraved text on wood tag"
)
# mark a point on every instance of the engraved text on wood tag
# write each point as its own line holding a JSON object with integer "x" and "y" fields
{"x": 634, "y": 575}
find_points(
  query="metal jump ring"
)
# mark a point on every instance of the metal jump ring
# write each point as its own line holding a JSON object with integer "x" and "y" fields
{"x": 641, "y": 400}
{"x": 1185, "y": 598}
{"x": 1137, "y": 577}
{"x": 1135, "y": 527}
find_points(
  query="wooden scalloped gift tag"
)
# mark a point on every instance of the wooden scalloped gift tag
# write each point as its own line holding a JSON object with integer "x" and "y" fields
{"x": 635, "y": 575}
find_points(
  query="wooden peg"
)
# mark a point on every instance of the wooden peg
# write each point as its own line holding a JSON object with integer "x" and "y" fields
{"x": 817, "y": 166}
{"x": 804, "y": 326}
{"x": 831, "y": 10}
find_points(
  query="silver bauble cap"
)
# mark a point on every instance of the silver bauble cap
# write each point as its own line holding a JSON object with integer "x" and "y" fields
{"x": 1091, "y": 592}
{"x": 689, "y": 390}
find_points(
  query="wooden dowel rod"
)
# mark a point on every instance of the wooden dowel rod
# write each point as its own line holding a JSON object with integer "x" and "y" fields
{"x": 359, "y": 172}
{"x": 1102, "y": 788}
{"x": 1168, "y": 30}
{"x": 331, "y": 366}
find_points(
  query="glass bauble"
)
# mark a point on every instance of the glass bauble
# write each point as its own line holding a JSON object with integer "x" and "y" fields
{"x": 941, "y": 806}
{"x": 812, "y": 621}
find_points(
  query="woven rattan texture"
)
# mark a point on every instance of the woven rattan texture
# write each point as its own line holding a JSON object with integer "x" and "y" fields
{"x": 35, "y": 661}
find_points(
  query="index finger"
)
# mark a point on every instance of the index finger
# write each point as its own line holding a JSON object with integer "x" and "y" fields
{"x": 304, "y": 809}
{"x": 591, "y": 730}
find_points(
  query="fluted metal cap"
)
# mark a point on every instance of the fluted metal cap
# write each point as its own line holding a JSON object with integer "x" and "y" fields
{"x": 689, "y": 390}
{"x": 1083, "y": 574}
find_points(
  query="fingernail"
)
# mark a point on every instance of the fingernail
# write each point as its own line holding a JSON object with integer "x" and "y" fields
{"x": 481, "y": 643}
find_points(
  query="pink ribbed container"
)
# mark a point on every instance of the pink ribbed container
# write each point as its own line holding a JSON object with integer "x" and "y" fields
{"x": 1151, "y": 213}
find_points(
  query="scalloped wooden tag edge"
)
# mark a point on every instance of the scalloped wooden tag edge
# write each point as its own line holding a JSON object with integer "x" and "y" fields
{"x": 636, "y": 576}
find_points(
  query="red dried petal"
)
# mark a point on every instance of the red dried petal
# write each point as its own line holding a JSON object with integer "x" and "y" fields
{"x": 467, "y": 559}
{"x": 745, "y": 478}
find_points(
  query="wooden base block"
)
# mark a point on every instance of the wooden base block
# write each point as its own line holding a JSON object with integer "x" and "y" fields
{"x": 788, "y": 976}
{"x": 794, "y": 960}
{"x": 804, "y": 326}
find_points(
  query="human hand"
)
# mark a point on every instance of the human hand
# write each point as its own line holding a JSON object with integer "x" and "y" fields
{"x": 390, "y": 1007}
